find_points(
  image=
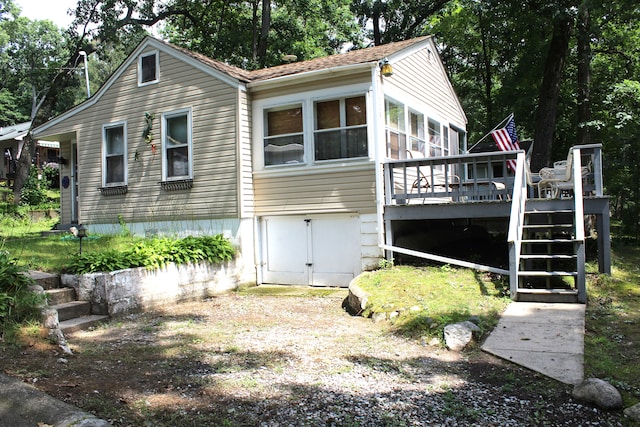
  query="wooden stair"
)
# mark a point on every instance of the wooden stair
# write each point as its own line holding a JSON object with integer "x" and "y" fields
{"x": 552, "y": 261}
{"x": 73, "y": 315}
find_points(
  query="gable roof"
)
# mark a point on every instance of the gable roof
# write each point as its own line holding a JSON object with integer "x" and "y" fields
{"x": 238, "y": 77}
{"x": 354, "y": 57}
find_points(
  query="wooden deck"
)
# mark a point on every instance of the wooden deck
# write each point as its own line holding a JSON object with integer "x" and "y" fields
{"x": 480, "y": 187}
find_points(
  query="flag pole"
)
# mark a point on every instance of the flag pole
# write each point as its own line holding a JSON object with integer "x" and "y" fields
{"x": 506, "y": 120}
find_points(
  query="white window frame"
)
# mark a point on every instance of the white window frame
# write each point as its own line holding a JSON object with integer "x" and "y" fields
{"x": 123, "y": 125}
{"x": 307, "y": 100}
{"x": 145, "y": 55}
{"x": 189, "y": 144}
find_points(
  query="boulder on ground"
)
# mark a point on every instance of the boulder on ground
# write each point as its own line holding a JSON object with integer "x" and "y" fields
{"x": 599, "y": 393}
{"x": 633, "y": 412}
{"x": 458, "y": 335}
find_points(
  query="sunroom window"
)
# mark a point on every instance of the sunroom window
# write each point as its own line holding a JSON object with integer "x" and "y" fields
{"x": 148, "y": 67}
{"x": 114, "y": 152}
{"x": 396, "y": 130}
{"x": 284, "y": 138}
{"x": 417, "y": 135}
{"x": 341, "y": 128}
{"x": 176, "y": 145}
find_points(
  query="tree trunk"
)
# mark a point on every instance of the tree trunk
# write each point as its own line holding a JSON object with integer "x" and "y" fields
{"x": 584, "y": 74}
{"x": 264, "y": 32}
{"x": 550, "y": 93}
{"x": 23, "y": 167}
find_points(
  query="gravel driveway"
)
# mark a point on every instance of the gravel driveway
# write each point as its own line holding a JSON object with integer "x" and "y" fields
{"x": 250, "y": 360}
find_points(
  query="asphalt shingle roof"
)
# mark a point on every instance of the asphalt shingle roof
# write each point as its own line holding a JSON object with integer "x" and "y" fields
{"x": 360, "y": 56}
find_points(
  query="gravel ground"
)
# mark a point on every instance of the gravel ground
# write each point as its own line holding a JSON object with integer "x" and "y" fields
{"x": 247, "y": 360}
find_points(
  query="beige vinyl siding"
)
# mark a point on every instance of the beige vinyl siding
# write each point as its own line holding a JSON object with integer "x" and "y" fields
{"x": 421, "y": 75}
{"x": 213, "y": 105}
{"x": 316, "y": 192}
{"x": 247, "y": 198}
{"x": 319, "y": 83}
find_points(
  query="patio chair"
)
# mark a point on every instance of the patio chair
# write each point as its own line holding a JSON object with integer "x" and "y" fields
{"x": 557, "y": 181}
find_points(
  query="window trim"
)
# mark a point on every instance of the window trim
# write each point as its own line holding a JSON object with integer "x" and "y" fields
{"x": 307, "y": 100}
{"x": 156, "y": 53}
{"x": 163, "y": 145}
{"x": 123, "y": 124}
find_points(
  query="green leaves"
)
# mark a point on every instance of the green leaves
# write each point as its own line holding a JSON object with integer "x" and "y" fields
{"x": 17, "y": 303}
{"x": 156, "y": 253}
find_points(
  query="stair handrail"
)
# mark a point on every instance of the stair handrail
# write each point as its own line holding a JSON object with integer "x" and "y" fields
{"x": 578, "y": 197}
{"x": 516, "y": 221}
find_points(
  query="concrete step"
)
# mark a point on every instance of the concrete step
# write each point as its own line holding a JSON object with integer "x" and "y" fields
{"x": 82, "y": 323}
{"x": 46, "y": 280}
{"x": 69, "y": 310}
{"x": 547, "y": 295}
{"x": 60, "y": 295}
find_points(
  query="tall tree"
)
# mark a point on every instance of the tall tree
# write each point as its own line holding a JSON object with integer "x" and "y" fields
{"x": 32, "y": 57}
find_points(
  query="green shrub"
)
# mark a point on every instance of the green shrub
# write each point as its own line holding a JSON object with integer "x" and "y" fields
{"x": 51, "y": 175}
{"x": 155, "y": 253}
{"x": 17, "y": 303}
{"x": 33, "y": 193}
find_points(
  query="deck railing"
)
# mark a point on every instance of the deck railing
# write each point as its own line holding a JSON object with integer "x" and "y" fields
{"x": 474, "y": 177}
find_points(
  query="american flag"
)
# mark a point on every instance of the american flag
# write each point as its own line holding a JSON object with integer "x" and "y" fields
{"x": 506, "y": 139}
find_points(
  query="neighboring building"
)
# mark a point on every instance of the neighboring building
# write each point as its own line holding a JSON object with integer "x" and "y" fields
{"x": 285, "y": 161}
{"x": 11, "y": 143}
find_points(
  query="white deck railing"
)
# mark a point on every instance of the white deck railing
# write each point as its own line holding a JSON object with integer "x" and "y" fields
{"x": 468, "y": 178}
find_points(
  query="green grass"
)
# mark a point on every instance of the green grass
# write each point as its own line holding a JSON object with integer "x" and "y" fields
{"x": 426, "y": 299}
{"x": 53, "y": 253}
{"x": 612, "y": 338}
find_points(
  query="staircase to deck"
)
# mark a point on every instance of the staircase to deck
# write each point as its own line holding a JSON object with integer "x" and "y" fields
{"x": 552, "y": 259}
{"x": 73, "y": 315}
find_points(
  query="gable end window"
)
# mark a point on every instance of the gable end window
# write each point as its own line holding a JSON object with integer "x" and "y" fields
{"x": 177, "y": 153}
{"x": 114, "y": 149}
{"x": 148, "y": 68}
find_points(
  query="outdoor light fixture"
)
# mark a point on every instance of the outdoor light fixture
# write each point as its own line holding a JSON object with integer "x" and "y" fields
{"x": 385, "y": 68}
{"x": 80, "y": 232}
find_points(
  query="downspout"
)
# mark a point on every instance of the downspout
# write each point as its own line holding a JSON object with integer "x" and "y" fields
{"x": 378, "y": 104}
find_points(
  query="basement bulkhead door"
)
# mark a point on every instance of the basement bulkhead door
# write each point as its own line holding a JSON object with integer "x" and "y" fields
{"x": 321, "y": 250}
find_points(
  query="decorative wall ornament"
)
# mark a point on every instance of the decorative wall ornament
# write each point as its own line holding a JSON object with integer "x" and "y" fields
{"x": 148, "y": 129}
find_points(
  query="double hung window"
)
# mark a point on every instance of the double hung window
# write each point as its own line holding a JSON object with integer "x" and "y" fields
{"x": 417, "y": 135}
{"x": 114, "y": 162}
{"x": 176, "y": 145}
{"x": 341, "y": 128}
{"x": 396, "y": 130}
{"x": 284, "y": 138}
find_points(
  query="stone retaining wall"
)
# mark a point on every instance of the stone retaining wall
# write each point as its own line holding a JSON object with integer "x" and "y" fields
{"x": 139, "y": 289}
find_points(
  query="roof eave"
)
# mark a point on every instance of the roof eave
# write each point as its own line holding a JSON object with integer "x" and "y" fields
{"x": 310, "y": 75}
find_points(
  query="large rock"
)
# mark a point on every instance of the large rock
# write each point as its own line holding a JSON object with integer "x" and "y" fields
{"x": 599, "y": 393}
{"x": 458, "y": 335}
{"x": 633, "y": 412}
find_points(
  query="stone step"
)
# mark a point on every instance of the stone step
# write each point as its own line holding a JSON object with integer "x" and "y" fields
{"x": 46, "y": 280}
{"x": 60, "y": 295}
{"x": 82, "y": 323}
{"x": 69, "y": 310}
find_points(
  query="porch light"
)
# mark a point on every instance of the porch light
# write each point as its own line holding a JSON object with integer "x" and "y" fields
{"x": 385, "y": 68}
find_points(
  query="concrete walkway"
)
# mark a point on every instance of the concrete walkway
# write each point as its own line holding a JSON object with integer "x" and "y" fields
{"x": 22, "y": 405}
{"x": 544, "y": 337}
